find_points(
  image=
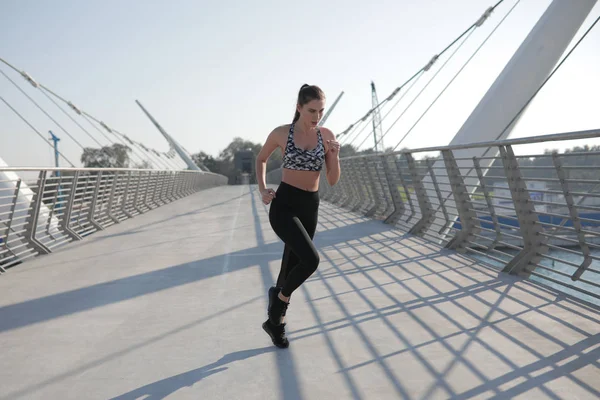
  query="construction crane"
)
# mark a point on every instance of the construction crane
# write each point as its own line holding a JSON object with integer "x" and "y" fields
{"x": 377, "y": 128}
{"x": 55, "y": 139}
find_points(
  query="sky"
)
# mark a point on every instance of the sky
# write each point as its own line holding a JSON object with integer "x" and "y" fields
{"x": 210, "y": 71}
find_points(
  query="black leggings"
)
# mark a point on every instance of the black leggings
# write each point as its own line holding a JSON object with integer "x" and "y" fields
{"x": 293, "y": 216}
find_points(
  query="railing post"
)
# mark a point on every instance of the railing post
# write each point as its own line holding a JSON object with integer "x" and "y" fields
{"x": 186, "y": 185}
{"x": 13, "y": 206}
{"x": 427, "y": 214}
{"x": 342, "y": 196}
{"x": 111, "y": 198}
{"x": 359, "y": 198}
{"x": 409, "y": 199}
{"x": 136, "y": 196}
{"x": 397, "y": 202}
{"x": 534, "y": 243}
{"x": 438, "y": 193}
{"x": 171, "y": 187}
{"x": 161, "y": 187}
{"x": 155, "y": 191}
{"x": 381, "y": 184}
{"x": 353, "y": 194}
{"x": 585, "y": 249}
{"x": 126, "y": 197}
{"x": 490, "y": 204}
{"x": 464, "y": 207}
{"x": 31, "y": 226}
{"x": 167, "y": 188}
{"x": 53, "y": 208}
{"x": 148, "y": 190}
{"x": 179, "y": 186}
{"x": 94, "y": 202}
{"x": 66, "y": 220}
{"x": 371, "y": 182}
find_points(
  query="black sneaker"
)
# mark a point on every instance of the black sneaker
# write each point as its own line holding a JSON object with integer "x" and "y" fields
{"x": 277, "y": 334}
{"x": 277, "y": 311}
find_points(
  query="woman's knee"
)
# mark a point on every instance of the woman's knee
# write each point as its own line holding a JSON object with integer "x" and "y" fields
{"x": 313, "y": 262}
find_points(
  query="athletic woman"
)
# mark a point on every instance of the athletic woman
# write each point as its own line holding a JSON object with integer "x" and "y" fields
{"x": 294, "y": 206}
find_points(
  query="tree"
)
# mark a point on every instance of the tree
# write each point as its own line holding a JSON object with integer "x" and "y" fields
{"x": 347, "y": 150}
{"x": 115, "y": 156}
{"x": 143, "y": 165}
{"x": 207, "y": 160}
{"x": 239, "y": 144}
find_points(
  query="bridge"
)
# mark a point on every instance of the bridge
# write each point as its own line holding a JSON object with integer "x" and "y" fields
{"x": 466, "y": 271}
{"x": 128, "y": 284}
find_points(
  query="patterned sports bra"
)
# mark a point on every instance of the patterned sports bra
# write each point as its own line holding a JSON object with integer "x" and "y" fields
{"x": 303, "y": 160}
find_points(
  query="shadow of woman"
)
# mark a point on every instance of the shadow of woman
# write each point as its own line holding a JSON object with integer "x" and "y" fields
{"x": 161, "y": 389}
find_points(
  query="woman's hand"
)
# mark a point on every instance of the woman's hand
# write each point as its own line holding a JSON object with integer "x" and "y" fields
{"x": 267, "y": 195}
{"x": 334, "y": 147}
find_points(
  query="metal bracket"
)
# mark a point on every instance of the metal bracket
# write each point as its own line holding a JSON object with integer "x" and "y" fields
{"x": 371, "y": 182}
{"x": 438, "y": 193}
{"x": 534, "y": 243}
{"x": 427, "y": 214}
{"x": 358, "y": 185}
{"x": 490, "y": 204}
{"x": 171, "y": 187}
{"x": 405, "y": 188}
{"x": 31, "y": 226}
{"x": 94, "y": 202}
{"x": 111, "y": 199}
{"x": 66, "y": 220}
{"x": 136, "y": 196}
{"x": 464, "y": 207}
{"x": 397, "y": 202}
{"x": 587, "y": 260}
{"x": 126, "y": 197}
{"x": 10, "y": 219}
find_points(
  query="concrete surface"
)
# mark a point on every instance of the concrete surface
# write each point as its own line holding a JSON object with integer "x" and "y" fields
{"x": 169, "y": 305}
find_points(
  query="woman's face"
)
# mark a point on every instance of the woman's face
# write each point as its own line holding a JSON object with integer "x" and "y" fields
{"x": 312, "y": 112}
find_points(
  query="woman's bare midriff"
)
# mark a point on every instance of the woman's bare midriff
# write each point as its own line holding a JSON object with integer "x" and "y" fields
{"x": 305, "y": 180}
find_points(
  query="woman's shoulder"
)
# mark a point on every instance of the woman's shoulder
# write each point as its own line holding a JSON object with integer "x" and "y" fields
{"x": 281, "y": 131}
{"x": 327, "y": 133}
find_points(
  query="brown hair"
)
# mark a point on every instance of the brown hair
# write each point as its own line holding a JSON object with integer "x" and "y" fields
{"x": 306, "y": 94}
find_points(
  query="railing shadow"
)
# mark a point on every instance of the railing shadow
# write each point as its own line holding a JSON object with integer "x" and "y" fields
{"x": 433, "y": 323}
{"x": 464, "y": 323}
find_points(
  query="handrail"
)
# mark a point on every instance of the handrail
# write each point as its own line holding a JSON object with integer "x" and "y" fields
{"x": 556, "y": 137}
{"x": 67, "y": 204}
{"x": 535, "y": 216}
{"x": 20, "y": 169}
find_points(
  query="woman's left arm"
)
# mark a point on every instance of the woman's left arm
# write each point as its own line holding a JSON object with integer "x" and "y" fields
{"x": 332, "y": 157}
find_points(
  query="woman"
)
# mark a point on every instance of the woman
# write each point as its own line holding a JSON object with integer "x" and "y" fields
{"x": 294, "y": 207}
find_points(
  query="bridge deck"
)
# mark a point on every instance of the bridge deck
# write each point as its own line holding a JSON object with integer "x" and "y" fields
{"x": 170, "y": 304}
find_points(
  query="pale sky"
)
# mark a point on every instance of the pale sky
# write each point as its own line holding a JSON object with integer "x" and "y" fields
{"x": 212, "y": 70}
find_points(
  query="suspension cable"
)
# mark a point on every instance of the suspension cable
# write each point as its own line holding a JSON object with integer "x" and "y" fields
{"x": 71, "y": 118}
{"x": 458, "y": 73}
{"x": 531, "y": 98}
{"x": 426, "y": 85}
{"x": 35, "y": 130}
{"x": 372, "y": 114}
{"x": 40, "y": 108}
{"x": 426, "y": 68}
{"x": 401, "y": 114}
{"x": 78, "y": 111}
{"x": 118, "y": 136}
{"x": 549, "y": 77}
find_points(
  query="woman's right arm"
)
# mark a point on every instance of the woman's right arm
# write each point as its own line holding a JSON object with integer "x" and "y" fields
{"x": 261, "y": 165}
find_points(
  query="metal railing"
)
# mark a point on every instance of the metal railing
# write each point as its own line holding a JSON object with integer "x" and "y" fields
{"x": 59, "y": 206}
{"x": 532, "y": 215}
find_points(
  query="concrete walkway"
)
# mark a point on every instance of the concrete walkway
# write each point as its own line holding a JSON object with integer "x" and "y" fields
{"x": 169, "y": 305}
